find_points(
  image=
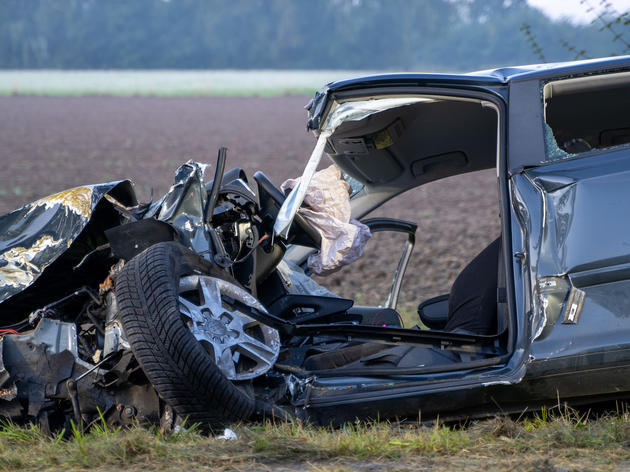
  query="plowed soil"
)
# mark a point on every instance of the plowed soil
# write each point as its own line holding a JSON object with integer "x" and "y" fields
{"x": 48, "y": 144}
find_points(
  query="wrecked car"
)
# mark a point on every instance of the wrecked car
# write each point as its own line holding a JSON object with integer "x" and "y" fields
{"x": 199, "y": 306}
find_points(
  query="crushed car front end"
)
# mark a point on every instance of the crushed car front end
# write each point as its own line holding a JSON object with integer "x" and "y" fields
{"x": 201, "y": 305}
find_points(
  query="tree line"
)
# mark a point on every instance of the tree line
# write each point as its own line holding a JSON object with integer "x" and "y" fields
{"x": 286, "y": 34}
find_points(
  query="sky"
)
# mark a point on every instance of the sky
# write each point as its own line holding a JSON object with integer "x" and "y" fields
{"x": 575, "y": 10}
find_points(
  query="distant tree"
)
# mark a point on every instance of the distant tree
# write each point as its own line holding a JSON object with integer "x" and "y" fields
{"x": 305, "y": 34}
{"x": 611, "y": 21}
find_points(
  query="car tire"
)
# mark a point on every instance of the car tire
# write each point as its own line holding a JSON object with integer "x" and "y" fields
{"x": 180, "y": 369}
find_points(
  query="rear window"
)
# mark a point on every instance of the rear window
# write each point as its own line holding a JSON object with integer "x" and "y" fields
{"x": 586, "y": 113}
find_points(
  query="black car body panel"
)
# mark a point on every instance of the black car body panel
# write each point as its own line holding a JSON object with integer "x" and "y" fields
{"x": 50, "y": 236}
{"x": 570, "y": 250}
{"x": 563, "y": 294}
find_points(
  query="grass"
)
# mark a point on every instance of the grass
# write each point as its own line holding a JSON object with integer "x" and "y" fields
{"x": 548, "y": 441}
{"x": 167, "y": 82}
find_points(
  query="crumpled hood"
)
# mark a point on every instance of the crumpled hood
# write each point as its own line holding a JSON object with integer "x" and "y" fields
{"x": 34, "y": 236}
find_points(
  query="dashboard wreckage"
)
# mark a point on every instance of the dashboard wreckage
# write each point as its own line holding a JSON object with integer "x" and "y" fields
{"x": 199, "y": 306}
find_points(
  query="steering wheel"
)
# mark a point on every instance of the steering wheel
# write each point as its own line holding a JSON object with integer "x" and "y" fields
{"x": 271, "y": 199}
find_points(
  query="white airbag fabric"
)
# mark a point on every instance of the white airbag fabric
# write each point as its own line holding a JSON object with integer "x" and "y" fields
{"x": 326, "y": 206}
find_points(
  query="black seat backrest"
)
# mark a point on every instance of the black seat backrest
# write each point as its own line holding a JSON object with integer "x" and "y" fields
{"x": 434, "y": 312}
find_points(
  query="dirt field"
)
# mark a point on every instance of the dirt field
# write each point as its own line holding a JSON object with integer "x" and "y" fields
{"x": 49, "y": 144}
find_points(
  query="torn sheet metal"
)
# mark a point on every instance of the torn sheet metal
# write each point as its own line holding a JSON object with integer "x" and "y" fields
{"x": 34, "y": 236}
{"x": 315, "y": 108}
{"x": 348, "y": 111}
{"x": 577, "y": 261}
{"x": 18, "y": 270}
{"x": 43, "y": 357}
{"x": 183, "y": 207}
{"x": 583, "y": 226}
{"x": 326, "y": 207}
{"x": 551, "y": 297}
{"x": 547, "y": 228}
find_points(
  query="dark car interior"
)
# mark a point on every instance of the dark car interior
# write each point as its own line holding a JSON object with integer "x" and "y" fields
{"x": 399, "y": 149}
{"x": 413, "y": 144}
{"x": 589, "y": 112}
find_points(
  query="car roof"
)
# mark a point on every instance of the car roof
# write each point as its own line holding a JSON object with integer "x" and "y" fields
{"x": 499, "y": 76}
{"x": 492, "y": 79}
{"x": 556, "y": 69}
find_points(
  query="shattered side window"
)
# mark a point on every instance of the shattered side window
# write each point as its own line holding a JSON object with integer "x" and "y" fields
{"x": 552, "y": 150}
{"x": 586, "y": 113}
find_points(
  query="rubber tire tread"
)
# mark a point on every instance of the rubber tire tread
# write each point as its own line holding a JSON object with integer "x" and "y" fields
{"x": 178, "y": 367}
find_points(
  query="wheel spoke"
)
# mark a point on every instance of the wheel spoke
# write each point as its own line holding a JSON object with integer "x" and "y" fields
{"x": 225, "y": 362}
{"x": 211, "y": 295}
{"x": 256, "y": 350}
{"x": 223, "y": 330}
{"x": 190, "y": 310}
